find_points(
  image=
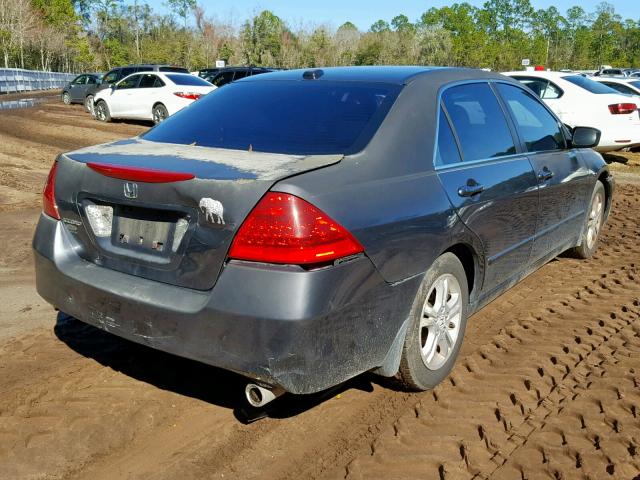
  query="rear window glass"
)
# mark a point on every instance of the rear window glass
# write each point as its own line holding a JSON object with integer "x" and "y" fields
{"x": 188, "y": 80}
{"x": 635, "y": 83}
{"x": 589, "y": 85}
{"x": 173, "y": 69}
{"x": 479, "y": 122}
{"x": 300, "y": 118}
{"x": 447, "y": 150}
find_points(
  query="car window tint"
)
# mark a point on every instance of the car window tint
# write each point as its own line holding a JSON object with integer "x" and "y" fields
{"x": 187, "y": 79}
{"x": 158, "y": 82}
{"x": 621, "y": 88}
{"x": 222, "y": 79}
{"x": 147, "y": 81}
{"x": 125, "y": 72}
{"x": 299, "y": 118}
{"x": 110, "y": 77}
{"x": 446, "y": 149}
{"x": 91, "y": 80}
{"x": 78, "y": 80}
{"x": 635, "y": 83}
{"x": 589, "y": 85}
{"x": 479, "y": 121}
{"x": 173, "y": 69}
{"x": 130, "y": 82}
{"x": 240, "y": 74}
{"x": 551, "y": 92}
{"x": 538, "y": 129}
{"x": 538, "y": 85}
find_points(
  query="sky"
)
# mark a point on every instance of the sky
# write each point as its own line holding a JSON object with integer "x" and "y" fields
{"x": 363, "y": 13}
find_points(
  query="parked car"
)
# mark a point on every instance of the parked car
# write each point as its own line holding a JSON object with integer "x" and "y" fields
{"x": 231, "y": 74}
{"x": 612, "y": 72}
{"x": 581, "y": 101}
{"x": 626, "y": 86}
{"x": 149, "y": 96}
{"x": 80, "y": 87}
{"x": 303, "y": 227}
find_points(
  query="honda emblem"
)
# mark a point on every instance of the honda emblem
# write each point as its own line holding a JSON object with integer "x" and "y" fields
{"x": 131, "y": 190}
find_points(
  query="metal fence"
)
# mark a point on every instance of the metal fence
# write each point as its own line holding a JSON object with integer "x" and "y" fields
{"x": 18, "y": 80}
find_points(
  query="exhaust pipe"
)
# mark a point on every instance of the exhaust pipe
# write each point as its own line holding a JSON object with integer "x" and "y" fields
{"x": 259, "y": 396}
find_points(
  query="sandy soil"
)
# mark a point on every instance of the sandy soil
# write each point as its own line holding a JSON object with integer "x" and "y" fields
{"x": 547, "y": 384}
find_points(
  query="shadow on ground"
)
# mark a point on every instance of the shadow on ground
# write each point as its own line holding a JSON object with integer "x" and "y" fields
{"x": 186, "y": 377}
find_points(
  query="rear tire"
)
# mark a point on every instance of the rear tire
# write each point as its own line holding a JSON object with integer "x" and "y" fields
{"x": 88, "y": 104}
{"x": 66, "y": 98}
{"x": 102, "y": 111}
{"x": 438, "y": 322}
{"x": 159, "y": 113}
{"x": 593, "y": 224}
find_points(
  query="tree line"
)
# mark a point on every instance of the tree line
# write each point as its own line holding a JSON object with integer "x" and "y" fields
{"x": 95, "y": 35}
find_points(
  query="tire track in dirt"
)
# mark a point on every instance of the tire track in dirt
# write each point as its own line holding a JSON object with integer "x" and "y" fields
{"x": 541, "y": 371}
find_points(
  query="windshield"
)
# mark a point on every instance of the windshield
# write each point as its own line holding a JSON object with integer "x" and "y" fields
{"x": 188, "y": 79}
{"x": 293, "y": 117}
{"x": 589, "y": 85}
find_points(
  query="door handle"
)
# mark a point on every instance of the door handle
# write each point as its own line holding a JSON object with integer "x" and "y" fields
{"x": 545, "y": 174}
{"x": 470, "y": 189}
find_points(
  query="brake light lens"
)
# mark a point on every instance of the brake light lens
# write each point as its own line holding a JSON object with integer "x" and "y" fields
{"x": 286, "y": 229}
{"x": 48, "y": 194}
{"x": 139, "y": 174}
{"x": 188, "y": 95}
{"x": 622, "y": 108}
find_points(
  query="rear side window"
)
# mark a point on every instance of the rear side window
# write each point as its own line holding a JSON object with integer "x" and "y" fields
{"x": 635, "y": 83}
{"x": 542, "y": 87}
{"x": 589, "y": 85}
{"x": 222, "y": 79}
{"x": 538, "y": 129}
{"x": 240, "y": 74}
{"x": 148, "y": 81}
{"x": 478, "y": 121}
{"x": 91, "y": 80}
{"x": 621, "y": 88}
{"x": 188, "y": 80}
{"x": 299, "y": 118}
{"x": 447, "y": 150}
{"x": 110, "y": 77}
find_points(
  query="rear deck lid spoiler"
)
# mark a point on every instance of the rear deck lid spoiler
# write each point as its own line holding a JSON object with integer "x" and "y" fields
{"x": 133, "y": 156}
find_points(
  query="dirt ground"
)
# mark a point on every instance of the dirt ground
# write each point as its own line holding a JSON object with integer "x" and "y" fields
{"x": 547, "y": 385}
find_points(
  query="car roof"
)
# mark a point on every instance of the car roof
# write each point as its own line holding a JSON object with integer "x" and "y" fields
{"x": 399, "y": 75}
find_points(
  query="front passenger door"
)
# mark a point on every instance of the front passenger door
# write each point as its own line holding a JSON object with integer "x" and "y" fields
{"x": 121, "y": 100}
{"x": 562, "y": 180}
{"x": 490, "y": 184}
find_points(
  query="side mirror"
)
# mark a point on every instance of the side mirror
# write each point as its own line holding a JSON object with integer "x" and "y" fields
{"x": 585, "y": 137}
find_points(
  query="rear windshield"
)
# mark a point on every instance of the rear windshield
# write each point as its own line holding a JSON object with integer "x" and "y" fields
{"x": 589, "y": 85}
{"x": 635, "y": 83}
{"x": 300, "y": 118}
{"x": 173, "y": 69}
{"x": 188, "y": 80}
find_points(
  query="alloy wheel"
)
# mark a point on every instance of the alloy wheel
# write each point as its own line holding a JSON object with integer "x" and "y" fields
{"x": 594, "y": 223}
{"x": 440, "y": 321}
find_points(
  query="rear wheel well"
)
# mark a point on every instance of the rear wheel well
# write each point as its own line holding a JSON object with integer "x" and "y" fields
{"x": 607, "y": 189}
{"x": 156, "y": 104}
{"x": 467, "y": 257}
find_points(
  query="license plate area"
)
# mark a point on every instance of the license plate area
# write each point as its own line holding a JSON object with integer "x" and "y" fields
{"x": 147, "y": 231}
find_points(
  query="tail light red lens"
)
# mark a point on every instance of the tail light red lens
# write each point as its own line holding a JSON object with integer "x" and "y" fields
{"x": 188, "y": 95}
{"x": 283, "y": 228}
{"x": 48, "y": 194}
{"x": 139, "y": 174}
{"x": 622, "y": 108}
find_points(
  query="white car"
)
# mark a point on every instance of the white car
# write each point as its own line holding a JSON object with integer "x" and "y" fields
{"x": 581, "y": 101}
{"x": 626, "y": 86}
{"x": 149, "y": 96}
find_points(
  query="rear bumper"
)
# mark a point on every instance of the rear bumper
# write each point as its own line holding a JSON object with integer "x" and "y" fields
{"x": 302, "y": 330}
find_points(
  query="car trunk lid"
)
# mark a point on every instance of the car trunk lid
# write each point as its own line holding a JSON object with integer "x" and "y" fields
{"x": 174, "y": 209}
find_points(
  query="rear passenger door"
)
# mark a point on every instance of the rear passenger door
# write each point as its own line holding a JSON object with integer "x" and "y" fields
{"x": 563, "y": 183}
{"x": 489, "y": 182}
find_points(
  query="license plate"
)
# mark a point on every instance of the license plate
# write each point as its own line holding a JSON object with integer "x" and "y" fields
{"x": 142, "y": 234}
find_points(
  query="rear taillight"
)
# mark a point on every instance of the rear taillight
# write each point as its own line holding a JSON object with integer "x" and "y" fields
{"x": 188, "y": 95}
{"x": 48, "y": 194}
{"x": 622, "y": 108}
{"x": 283, "y": 228}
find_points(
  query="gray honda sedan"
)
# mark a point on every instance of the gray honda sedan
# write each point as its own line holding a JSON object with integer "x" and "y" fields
{"x": 303, "y": 227}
